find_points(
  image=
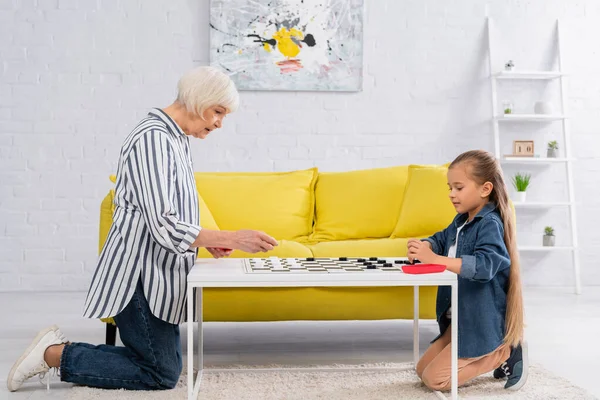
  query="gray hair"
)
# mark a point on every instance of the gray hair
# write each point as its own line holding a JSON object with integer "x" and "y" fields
{"x": 204, "y": 87}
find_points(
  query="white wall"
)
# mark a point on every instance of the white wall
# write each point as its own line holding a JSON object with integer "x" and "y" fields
{"x": 77, "y": 75}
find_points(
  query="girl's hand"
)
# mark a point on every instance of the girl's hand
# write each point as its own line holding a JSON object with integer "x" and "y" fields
{"x": 421, "y": 251}
{"x": 412, "y": 244}
{"x": 416, "y": 243}
{"x": 219, "y": 252}
{"x": 411, "y": 241}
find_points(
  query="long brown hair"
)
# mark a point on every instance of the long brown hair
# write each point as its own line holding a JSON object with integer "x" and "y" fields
{"x": 485, "y": 168}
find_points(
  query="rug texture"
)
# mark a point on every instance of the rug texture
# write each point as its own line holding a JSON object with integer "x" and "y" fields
{"x": 347, "y": 385}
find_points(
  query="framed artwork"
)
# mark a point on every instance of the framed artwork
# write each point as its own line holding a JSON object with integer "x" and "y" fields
{"x": 288, "y": 44}
{"x": 523, "y": 148}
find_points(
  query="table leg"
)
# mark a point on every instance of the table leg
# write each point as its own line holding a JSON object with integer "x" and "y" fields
{"x": 454, "y": 341}
{"x": 416, "y": 325}
{"x": 200, "y": 333}
{"x": 190, "y": 341}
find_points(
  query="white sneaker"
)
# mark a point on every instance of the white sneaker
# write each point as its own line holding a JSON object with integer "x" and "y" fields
{"x": 32, "y": 362}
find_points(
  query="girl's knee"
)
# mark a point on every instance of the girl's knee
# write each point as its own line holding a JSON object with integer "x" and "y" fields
{"x": 432, "y": 379}
{"x": 420, "y": 368}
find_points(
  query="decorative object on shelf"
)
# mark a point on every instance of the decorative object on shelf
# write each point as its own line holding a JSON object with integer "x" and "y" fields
{"x": 543, "y": 107}
{"x": 552, "y": 149}
{"x": 509, "y": 66}
{"x": 523, "y": 148}
{"x": 289, "y": 44}
{"x": 521, "y": 183}
{"x": 549, "y": 237}
{"x": 507, "y": 107}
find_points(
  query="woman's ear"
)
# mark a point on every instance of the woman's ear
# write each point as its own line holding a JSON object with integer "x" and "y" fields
{"x": 486, "y": 189}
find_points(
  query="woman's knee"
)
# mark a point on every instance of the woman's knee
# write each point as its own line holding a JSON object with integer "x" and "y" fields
{"x": 170, "y": 383}
{"x": 168, "y": 375}
{"x": 169, "y": 379}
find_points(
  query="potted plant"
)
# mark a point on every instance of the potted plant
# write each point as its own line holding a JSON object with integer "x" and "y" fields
{"x": 521, "y": 183}
{"x": 509, "y": 66}
{"x": 552, "y": 149}
{"x": 549, "y": 236}
{"x": 507, "y": 107}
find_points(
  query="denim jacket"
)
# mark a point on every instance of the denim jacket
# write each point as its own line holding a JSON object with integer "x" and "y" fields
{"x": 482, "y": 282}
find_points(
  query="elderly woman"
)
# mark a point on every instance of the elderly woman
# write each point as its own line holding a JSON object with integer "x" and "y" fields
{"x": 140, "y": 278}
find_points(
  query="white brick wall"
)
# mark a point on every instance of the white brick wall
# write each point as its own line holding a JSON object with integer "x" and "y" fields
{"x": 77, "y": 75}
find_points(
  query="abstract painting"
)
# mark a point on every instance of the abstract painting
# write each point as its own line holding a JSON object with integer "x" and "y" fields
{"x": 288, "y": 44}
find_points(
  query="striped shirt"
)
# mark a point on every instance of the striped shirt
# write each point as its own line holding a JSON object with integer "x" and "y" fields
{"x": 156, "y": 219}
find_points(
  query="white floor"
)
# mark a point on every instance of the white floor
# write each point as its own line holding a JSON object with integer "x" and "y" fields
{"x": 561, "y": 331}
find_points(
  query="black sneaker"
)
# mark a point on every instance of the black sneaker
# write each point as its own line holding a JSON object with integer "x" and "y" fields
{"x": 515, "y": 368}
{"x": 499, "y": 372}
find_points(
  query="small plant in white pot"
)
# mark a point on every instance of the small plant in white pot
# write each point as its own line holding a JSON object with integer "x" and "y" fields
{"x": 521, "y": 183}
{"x": 549, "y": 236}
{"x": 552, "y": 149}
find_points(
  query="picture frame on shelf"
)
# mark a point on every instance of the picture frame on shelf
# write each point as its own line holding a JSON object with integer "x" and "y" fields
{"x": 523, "y": 148}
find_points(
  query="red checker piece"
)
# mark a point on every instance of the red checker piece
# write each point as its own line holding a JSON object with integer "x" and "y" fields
{"x": 423, "y": 268}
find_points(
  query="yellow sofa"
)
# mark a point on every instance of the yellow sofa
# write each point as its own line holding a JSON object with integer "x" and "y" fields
{"x": 322, "y": 214}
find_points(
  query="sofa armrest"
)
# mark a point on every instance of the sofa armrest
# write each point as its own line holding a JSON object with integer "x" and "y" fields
{"x": 107, "y": 208}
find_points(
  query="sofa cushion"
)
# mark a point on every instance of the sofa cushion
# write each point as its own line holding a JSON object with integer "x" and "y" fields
{"x": 278, "y": 203}
{"x": 426, "y": 208}
{"x": 361, "y": 248}
{"x": 358, "y": 204}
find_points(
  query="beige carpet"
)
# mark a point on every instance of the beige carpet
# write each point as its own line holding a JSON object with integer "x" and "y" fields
{"x": 350, "y": 385}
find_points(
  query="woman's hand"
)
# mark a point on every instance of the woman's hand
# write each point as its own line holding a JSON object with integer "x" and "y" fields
{"x": 221, "y": 243}
{"x": 253, "y": 241}
{"x": 420, "y": 250}
{"x": 218, "y": 252}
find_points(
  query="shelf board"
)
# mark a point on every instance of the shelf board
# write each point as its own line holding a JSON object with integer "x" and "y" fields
{"x": 546, "y": 248}
{"x": 533, "y": 204}
{"x": 529, "y": 75}
{"x": 529, "y": 117}
{"x": 533, "y": 160}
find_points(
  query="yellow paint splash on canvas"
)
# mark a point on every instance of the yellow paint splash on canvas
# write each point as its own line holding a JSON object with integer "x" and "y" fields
{"x": 285, "y": 44}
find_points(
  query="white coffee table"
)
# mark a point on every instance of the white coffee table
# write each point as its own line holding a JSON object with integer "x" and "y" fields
{"x": 231, "y": 273}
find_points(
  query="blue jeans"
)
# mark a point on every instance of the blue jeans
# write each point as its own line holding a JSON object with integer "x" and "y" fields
{"x": 150, "y": 360}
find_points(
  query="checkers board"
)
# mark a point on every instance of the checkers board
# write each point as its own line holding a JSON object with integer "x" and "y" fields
{"x": 324, "y": 265}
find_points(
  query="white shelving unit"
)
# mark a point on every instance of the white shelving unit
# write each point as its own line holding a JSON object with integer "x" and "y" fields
{"x": 529, "y": 160}
{"x": 529, "y": 75}
{"x": 540, "y": 205}
{"x": 546, "y": 248}
{"x": 529, "y": 118}
{"x": 501, "y": 119}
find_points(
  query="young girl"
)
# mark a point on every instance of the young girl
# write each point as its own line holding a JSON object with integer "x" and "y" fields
{"x": 480, "y": 247}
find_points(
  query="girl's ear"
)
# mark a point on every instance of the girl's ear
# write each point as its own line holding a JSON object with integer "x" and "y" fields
{"x": 486, "y": 189}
